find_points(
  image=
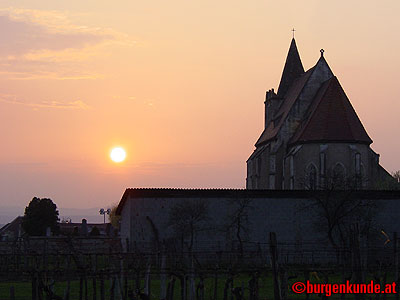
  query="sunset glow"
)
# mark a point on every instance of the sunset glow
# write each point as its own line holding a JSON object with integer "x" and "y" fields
{"x": 182, "y": 83}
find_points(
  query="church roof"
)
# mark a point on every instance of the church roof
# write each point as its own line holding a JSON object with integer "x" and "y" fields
{"x": 293, "y": 93}
{"x": 331, "y": 118}
{"x": 293, "y": 69}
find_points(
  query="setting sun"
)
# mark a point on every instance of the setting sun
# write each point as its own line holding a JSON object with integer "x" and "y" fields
{"x": 118, "y": 154}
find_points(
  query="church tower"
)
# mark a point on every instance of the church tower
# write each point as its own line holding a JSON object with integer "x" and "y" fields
{"x": 312, "y": 136}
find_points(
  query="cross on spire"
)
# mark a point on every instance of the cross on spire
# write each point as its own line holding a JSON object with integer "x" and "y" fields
{"x": 293, "y": 30}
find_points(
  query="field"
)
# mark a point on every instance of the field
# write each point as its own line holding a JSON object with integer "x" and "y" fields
{"x": 240, "y": 284}
{"x": 69, "y": 273}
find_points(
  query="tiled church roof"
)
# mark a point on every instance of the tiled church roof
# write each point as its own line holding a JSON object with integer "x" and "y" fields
{"x": 331, "y": 118}
{"x": 291, "y": 96}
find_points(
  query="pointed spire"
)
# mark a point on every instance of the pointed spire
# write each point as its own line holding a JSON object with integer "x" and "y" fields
{"x": 293, "y": 69}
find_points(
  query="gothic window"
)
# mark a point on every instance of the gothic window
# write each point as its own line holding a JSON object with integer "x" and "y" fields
{"x": 312, "y": 177}
{"x": 339, "y": 173}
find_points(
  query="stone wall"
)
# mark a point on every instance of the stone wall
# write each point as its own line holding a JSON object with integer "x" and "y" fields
{"x": 283, "y": 212}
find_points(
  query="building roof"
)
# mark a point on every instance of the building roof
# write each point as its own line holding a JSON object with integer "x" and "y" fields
{"x": 13, "y": 226}
{"x": 293, "y": 69}
{"x": 230, "y": 193}
{"x": 280, "y": 116}
{"x": 331, "y": 118}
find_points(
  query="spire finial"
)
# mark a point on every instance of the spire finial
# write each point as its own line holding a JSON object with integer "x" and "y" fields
{"x": 293, "y": 30}
{"x": 322, "y": 52}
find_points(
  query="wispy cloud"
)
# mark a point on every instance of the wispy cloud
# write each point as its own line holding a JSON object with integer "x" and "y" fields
{"x": 37, "y": 44}
{"x": 77, "y": 104}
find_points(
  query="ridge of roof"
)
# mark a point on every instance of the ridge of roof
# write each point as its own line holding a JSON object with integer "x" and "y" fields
{"x": 293, "y": 69}
{"x": 257, "y": 193}
{"x": 12, "y": 226}
{"x": 331, "y": 118}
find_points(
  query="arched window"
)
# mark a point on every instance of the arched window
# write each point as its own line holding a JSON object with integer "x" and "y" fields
{"x": 312, "y": 177}
{"x": 339, "y": 174}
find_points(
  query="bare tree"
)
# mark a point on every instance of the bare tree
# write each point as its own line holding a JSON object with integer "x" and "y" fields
{"x": 334, "y": 211}
{"x": 396, "y": 176}
{"x": 335, "y": 206}
{"x": 334, "y": 179}
{"x": 237, "y": 222}
{"x": 187, "y": 218}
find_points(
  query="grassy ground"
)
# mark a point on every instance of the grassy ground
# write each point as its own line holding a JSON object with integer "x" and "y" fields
{"x": 23, "y": 289}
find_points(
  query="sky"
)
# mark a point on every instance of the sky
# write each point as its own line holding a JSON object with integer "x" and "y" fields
{"x": 179, "y": 84}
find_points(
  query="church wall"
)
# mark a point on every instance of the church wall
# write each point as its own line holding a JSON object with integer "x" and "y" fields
{"x": 335, "y": 153}
{"x": 258, "y": 170}
{"x": 306, "y": 156}
{"x": 279, "y": 168}
{"x": 263, "y": 169}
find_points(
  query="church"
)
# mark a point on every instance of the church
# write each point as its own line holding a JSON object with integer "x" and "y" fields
{"x": 313, "y": 142}
{"x": 312, "y": 138}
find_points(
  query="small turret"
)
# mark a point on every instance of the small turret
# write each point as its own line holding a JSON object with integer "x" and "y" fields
{"x": 272, "y": 103}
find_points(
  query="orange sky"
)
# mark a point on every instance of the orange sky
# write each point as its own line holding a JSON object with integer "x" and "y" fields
{"x": 180, "y": 84}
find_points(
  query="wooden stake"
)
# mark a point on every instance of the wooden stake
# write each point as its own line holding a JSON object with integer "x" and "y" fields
{"x": 274, "y": 261}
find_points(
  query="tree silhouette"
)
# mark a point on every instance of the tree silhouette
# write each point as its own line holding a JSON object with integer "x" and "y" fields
{"x": 113, "y": 217}
{"x": 39, "y": 215}
{"x": 238, "y": 223}
{"x": 187, "y": 218}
